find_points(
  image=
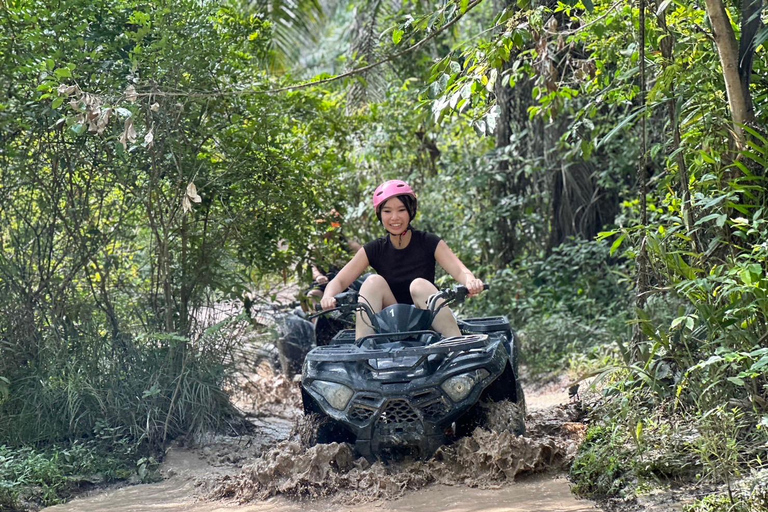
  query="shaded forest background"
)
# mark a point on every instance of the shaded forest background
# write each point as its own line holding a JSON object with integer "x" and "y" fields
{"x": 602, "y": 165}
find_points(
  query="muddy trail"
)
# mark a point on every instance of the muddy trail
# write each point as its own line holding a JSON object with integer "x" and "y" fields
{"x": 274, "y": 469}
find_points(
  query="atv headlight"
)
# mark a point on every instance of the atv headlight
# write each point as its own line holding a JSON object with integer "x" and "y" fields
{"x": 337, "y": 395}
{"x": 459, "y": 386}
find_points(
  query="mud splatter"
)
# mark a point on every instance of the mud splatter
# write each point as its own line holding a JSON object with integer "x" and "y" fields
{"x": 486, "y": 459}
{"x": 264, "y": 392}
{"x": 273, "y": 391}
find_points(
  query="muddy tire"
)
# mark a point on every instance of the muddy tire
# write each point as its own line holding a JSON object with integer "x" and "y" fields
{"x": 501, "y": 407}
{"x": 503, "y": 416}
{"x": 330, "y": 431}
{"x": 266, "y": 360}
{"x": 513, "y": 419}
{"x": 319, "y": 428}
{"x": 316, "y": 428}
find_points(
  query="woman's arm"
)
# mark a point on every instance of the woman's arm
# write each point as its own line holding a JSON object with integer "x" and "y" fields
{"x": 453, "y": 265}
{"x": 344, "y": 278}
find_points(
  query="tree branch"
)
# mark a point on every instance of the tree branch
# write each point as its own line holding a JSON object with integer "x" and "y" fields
{"x": 328, "y": 80}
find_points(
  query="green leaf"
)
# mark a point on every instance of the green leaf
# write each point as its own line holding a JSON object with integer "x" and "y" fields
{"x": 624, "y": 122}
{"x": 677, "y": 321}
{"x": 760, "y": 365}
{"x": 57, "y": 102}
{"x": 736, "y": 380}
{"x": 63, "y": 73}
{"x": 617, "y": 243}
{"x": 711, "y": 216}
{"x": 397, "y": 35}
{"x": 663, "y": 7}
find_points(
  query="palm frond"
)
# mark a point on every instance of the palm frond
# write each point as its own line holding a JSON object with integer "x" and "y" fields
{"x": 297, "y": 27}
{"x": 366, "y": 48}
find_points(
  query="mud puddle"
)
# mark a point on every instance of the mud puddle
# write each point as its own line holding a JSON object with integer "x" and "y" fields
{"x": 273, "y": 470}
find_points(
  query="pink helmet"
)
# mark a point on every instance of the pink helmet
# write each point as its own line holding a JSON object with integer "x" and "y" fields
{"x": 395, "y": 188}
{"x": 390, "y": 189}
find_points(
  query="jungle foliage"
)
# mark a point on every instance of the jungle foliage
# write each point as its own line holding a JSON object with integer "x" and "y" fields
{"x": 139, "y": 188}
{"x": 622, "y": 217}
{"x": 607, "y": 177}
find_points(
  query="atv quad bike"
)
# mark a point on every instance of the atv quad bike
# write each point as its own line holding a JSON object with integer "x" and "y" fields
{"x": 406, "y": 390}
{"x": 297, "y": 333}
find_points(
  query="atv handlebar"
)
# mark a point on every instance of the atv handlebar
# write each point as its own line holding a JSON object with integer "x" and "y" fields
{"x": 347, "y": 302}
{"x": 450, "y": 295}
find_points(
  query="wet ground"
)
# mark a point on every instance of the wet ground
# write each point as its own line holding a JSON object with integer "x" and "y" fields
{"x": 273, "y": 470}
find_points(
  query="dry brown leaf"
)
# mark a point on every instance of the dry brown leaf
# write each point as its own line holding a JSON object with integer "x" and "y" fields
{"x": 130, "y": 94}
{"x": 192, "y": 193}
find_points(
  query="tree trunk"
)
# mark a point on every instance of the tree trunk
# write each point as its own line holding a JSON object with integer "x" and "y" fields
{"x": 750, "y": 26}
{"x": 739, "y": 99}
{"x": 505, "y": 241}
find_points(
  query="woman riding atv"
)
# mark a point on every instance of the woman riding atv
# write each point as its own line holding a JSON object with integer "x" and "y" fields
{"x": 404, "y": 260}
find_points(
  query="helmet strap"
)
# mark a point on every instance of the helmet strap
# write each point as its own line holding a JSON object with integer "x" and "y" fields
{"x": 400, "y": 236}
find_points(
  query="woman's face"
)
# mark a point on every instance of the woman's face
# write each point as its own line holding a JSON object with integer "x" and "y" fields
{"x": 394, "y": 216}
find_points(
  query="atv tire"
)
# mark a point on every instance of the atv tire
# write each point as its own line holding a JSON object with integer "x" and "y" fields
{"x": 319, "y": 428}
{"x": 486, "y": 412}
{"x": 502, "y": 416}
{"x": 265, "y": 360}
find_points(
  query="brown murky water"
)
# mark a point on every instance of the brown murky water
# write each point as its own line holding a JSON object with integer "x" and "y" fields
{"x": 541, "y": 493}
{"x": 272, "y": 471}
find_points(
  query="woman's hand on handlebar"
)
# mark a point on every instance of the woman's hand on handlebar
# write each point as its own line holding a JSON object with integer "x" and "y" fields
{"x": 474, "y": 285}
{"x": 328, "y": 302}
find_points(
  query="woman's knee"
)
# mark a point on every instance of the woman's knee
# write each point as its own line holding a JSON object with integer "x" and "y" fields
{"x": 373, "y": 283}
{"x": 420, "y": 290}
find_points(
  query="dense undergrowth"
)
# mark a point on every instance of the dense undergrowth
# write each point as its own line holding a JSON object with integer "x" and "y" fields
{"x": 683, "y": 406}
{"x": 32, "y": 477}
{"x": 564, "y": 305}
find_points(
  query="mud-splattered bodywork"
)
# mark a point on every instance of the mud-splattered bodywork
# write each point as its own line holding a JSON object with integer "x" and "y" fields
{"x": 410, "y": 392}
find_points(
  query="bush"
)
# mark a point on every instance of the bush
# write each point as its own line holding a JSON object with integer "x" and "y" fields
{"x": 600, "y": 468}
{"x": 51, "y": 475}
{"x": 573, "y": 299}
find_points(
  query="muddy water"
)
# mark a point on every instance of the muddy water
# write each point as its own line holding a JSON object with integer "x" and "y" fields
{"x": 535, "y": 494}
{"x": 273, "y": 471}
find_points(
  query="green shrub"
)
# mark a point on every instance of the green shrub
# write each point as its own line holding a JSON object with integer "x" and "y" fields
{"x": 600, "y": 468}
{"x": 51, "y": 475}
{"x": 572, "y": 300}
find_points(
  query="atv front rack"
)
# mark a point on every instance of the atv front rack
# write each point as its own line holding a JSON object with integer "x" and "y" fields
{"x": 338, "y": 353}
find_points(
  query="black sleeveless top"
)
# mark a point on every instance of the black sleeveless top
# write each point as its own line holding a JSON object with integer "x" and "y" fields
{"x": 401, "y": 266}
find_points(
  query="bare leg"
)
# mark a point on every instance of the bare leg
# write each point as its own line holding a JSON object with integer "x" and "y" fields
{"x": 376, "y": 293}
{"x": 444, "y": 322}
